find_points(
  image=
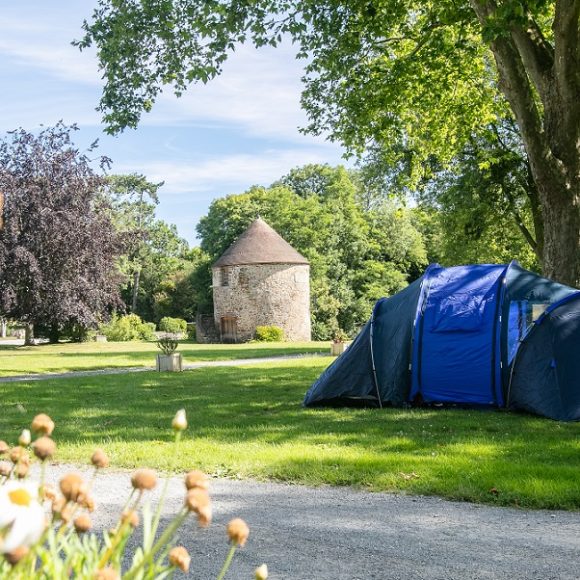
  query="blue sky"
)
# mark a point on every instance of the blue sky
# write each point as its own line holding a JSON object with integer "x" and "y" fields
{"x": 239, "y": 130}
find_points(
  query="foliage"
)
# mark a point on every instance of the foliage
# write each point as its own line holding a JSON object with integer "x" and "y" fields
{"x": 252, "y": 426}
{"x": 173, "y": 325}
{"x": 269, "y": 334}
{"x": 62, "y": 546}
{"x": 191, "y": 332}
{"x": 58, "y": 245}
{"x": 355, "y": 256}
{"x": 167, "y": 345}
{"x": 127, "y": 328}
{"x": 416, "y": 79}
{"x": 156, "y": 258}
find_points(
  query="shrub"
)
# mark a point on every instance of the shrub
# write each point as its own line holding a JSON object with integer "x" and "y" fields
{"x": 129, "y": 327}
{"x": 191, "y": 332}
{"x": 269, "y": 334}
{"x": 46, "y": 533}
{"x": 173, "y": 325}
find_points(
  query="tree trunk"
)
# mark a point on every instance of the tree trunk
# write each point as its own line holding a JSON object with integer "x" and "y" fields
{"x": 28, "y": 334}
{"x": 136, "y": 278}
{"x": 561, "y": 256}
{"x": 54, "y": 335}
{"x": 3, "y": 327}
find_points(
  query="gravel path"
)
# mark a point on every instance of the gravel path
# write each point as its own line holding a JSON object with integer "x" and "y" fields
{"x": 125, "y": 370}
{"x": 339, "y": 533}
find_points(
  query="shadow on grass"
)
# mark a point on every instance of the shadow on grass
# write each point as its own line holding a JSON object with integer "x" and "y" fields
{"x": 249, "y": 421}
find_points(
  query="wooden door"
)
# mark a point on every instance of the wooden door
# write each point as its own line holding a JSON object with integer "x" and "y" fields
{"x": 229, "y": 329}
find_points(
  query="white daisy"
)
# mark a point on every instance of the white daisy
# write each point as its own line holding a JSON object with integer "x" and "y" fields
{"x": 22, "y": 519}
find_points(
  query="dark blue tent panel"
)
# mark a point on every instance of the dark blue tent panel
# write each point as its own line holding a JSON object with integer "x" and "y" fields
{"x": 476, "y": 335}
{"x": 545, "y": 377}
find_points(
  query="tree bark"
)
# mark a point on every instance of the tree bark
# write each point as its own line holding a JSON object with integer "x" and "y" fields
{"x": 29, "y": 334}
{"x": 529, "y": 69}
{"x": 136, "y": 279}
{"x": 54, "y": 335}
{"x": 3, "y": 327}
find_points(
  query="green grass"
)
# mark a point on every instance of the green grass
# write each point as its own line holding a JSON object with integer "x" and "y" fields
{"x": 248, "y": 422}
{"x": 56, "y": 358}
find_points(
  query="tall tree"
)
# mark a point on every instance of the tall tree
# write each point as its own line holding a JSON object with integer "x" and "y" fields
{"x": 416, "y": 78}
{"x": 133, "y": 199}
{"x": 57, "y": 244}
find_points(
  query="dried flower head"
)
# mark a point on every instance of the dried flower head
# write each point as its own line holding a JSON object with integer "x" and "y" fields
{"x": 196, "y": 498}
{"x": 238, "y": 531}
{"x": 86, "y": 501}
{"x": 4, "y": 447}
{"x": 21, "y": 470}
{"x": 58, "y": 504}
{"x": 179, "y": 422}
{"x": 47, "y": 491}
{"x": 100, "y": 459}
{"x": 83, "y": 523}
{"x": 44, "y": 448}
{"x": 25, "y": 438}
{"x": 179, "y": 557}
{"x": 107, "y": 573}
{"x": 261, "y": 572}
{"x": 144, "y": 479}
{"x": 131, "y": 517}
{"x": 43, "y": 424}
{"x": 195, "y": 479}
{"x": 71, "y": 486}
{"x": 5, "y": 468}
{"x": 19, "y": 455}
{"x": 204, "y": 515}
{"x": 16, "y": 555}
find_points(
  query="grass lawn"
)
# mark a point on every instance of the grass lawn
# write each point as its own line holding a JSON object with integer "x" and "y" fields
{"x": 248, "y": 422}
{"x": 55, "y": 358}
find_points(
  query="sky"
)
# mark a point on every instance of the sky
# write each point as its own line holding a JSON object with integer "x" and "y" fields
{"x": 239, "y": 130}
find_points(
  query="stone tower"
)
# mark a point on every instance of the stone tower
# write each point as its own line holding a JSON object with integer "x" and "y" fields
{"x": 261, "y": 280}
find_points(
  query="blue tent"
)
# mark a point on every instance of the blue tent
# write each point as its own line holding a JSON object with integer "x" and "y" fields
{"x": 480, "y": 335}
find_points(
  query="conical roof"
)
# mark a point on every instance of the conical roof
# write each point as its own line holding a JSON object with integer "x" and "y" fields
{"x": 260, "y": 244}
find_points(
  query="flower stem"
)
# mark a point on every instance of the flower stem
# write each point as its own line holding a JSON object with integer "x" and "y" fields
{"x": 228, "y": 562}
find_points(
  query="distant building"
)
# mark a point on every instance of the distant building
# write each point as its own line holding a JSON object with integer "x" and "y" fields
{"x": 261, "y": 280}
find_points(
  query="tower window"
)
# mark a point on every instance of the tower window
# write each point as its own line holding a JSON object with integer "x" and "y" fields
{"x": 225, "y": 277}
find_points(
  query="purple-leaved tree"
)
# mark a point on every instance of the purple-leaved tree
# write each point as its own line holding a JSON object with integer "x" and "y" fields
{"x": 57, "y": 244}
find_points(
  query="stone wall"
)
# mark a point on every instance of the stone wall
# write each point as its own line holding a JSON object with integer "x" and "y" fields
{"x": 264, "y": 295}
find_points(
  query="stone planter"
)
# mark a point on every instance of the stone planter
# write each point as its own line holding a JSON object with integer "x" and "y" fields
{"x": 100, "y": 338}
{"x": 169, "y": 362}
{"x": 337, "y": 348}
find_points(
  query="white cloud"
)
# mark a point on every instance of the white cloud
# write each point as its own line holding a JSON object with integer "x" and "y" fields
{"x": 228, "y": 173}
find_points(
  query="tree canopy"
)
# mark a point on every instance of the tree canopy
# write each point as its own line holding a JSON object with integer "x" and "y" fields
{"x": 57, "y": 243}
{"x": 415, "y": 79}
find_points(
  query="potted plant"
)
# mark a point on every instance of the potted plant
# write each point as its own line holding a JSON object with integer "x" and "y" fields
{"x": 338, "y": 344}
{"x": 169, "y": 360}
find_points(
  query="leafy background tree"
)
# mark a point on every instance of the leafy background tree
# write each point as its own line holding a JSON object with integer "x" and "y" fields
{"x": 57, "y": 243}
{"x": 415, "y": 79}
{"x": 355, "y": 256}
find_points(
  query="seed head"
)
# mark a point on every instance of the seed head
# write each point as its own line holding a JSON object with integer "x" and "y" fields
{"x": 100, "y": 459}
{"x": 22, "y": 470}
{"x": 5, "y": 468}
{"x": 262, "y": 572}
{"x": 25, "y": 438}
{"x": 238, "y": 531}
{"x": 86, "y": 501}
{"x": 131, "y": 517}
{"x": 144, "y": 479}
{"x": 197, "y": 479}
{"x": 82, "y": 523}
{"x": 47, "y": 491}
{"x": 204, "y": 515}
{"x": 19, "y": 455}
{"x": 72, "y": 486}
{"x": 43, "y": 424}
{"x": 179, "y": 557}
{"x": 44, "y": 448}
{"x": 4, "y": 447}
{"x": 196, "y": 498}
{"x": 16, "y": 555}
{"x": 58, "y": 504}
{"x": 179, "y": 422}
{"x": 107, "y": 573}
